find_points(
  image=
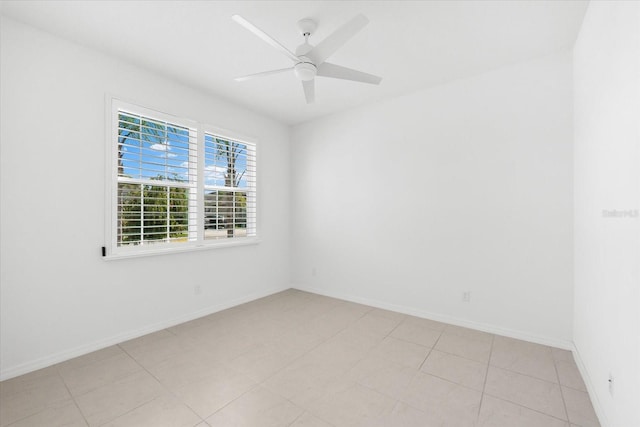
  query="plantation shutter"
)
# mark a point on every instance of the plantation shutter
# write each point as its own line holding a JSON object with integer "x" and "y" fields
{"x": 157, "y": 181}
{"x": 229, "y": 188}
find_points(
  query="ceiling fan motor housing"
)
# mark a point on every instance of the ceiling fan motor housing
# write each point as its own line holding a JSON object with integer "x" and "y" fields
{"x": 305, "y": 70}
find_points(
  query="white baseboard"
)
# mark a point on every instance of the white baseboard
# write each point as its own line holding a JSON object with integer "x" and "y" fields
{"x": 62, "y": 356}
{"x": 595, "y": 401}
{"x": 493, "y": 329}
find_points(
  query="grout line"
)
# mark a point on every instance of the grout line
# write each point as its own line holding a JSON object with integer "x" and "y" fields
{"x": 430, "y": 350}
{"x": 564, "y": 404}
{"x": 531, "y": 409}
{"x": 55, "y": 403}
{"x": 162, "y": 385}
{"x": 297, "y": 418}
{"x": 527, "y": 375}
{"x": 486, "y": 375}
{"x": 228, "y": 403}
{"x": 72, "y": 396}
{"x": 426, "y": 357}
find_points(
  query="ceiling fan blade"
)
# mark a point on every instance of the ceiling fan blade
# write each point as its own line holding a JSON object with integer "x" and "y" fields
{"x": 262, "y": 74}
{"x": 333, "y": 42}
{"x": 266, "y": 37}
{"x": 309, "y": 91}
{"x": 327, "y": 69}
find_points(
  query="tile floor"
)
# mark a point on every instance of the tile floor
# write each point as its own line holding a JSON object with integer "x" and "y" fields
{"x": 299, "y": 359}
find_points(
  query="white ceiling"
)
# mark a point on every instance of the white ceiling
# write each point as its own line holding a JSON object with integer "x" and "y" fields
{"x": 411, "y": 44}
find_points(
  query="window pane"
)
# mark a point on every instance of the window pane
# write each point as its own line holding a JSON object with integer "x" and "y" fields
{"x": 129, "y": 214}
{"x": 225, "y": 214}
{"x": 225, "y": 163}
{"x": 152, "y": 213}
{"x": 153, "y": 149}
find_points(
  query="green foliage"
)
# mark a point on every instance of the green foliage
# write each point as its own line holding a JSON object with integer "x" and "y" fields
{"x": 152, "y": 212}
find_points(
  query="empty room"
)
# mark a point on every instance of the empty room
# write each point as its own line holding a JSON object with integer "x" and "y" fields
{"x": 320, "y": 213}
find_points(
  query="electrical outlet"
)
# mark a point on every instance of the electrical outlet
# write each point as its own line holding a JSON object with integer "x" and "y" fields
{"x": 314, "y": 272}
{"x": 466, "y": 296}
{"x": 197, "y": 290}
{"x": 610, "y": 383}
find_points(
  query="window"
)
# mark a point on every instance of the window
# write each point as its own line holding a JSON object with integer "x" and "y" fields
{"x": 177, "y": 184}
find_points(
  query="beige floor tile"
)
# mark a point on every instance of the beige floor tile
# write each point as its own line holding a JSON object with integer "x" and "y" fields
{"x": 64, "y": 413}
{"x": 468, "y": 333}
{"x": 30, "y": 394}
{"x": 213, "y": 392}
{"x": 345, "y": 347}
{"x": 27, "y": 381}
{"x": 212, "y": 327}
{"x": 469, "y": 348}
{"x": 353, "y": 339}
{"x": 299, "y": 339}
{"x": 99, "y": 373}
{"x": 533, "y": 393}
{"x": 418, "y": 331}
{"x": 496, "y": 412}
{"x": 113, "y": 400}
{"x": 580, "y": 408}
{"x": 445, "y": 402}
{"x": 457, "y": 369}
{"x": 191, "y": 325}
{"x": 263, "y": 330}
{"x": 376, "y": 322}
{"x": 382, "y": 375}
{"x": 569, "y": 375}
{"x": 185, "y": 368}
{"x": 89, "y": 359}
{"x": 402, "y": 352}
{"x": 265, "y": 360}
{"x": 306, "y": 378}
{"x": 353, "y": 405}
{"x": 524, "y": 357}
{"x": 404, "y": 415}
{"x": 308, "y": 310}
{"x": 325, "y": 326}
{"x": 309, "y": 420}
{"x": 150, "y": 351}
{"x": 354, "y": 307}
{"x": 389, "y": 314}
{"x": 164, "y": 411}
{"x": 257, "y": 408}
{"x": 283, "y": 301}
{"x": 560, "y": 354}
{"x": 425, "y": 323}
{"x": 338, "y": 318}
{"x": 227, "y": 347}
{"x": 347, "y": 311}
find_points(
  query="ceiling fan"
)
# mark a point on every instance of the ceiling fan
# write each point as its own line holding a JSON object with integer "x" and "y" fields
{"x": 310, "y": 61}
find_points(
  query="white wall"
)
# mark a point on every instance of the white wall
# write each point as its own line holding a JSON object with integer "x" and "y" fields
{"x": 607, "y": 163}
{"x": 58, "y": 297}
{"x": 410, "y": 202}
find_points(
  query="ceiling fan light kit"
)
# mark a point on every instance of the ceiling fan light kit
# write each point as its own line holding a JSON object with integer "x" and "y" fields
{"x": 305, "y": 71}
{"x": 309, "y": 61}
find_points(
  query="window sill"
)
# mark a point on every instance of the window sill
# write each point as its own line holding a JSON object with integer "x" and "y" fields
{"x": 187, "y": 248}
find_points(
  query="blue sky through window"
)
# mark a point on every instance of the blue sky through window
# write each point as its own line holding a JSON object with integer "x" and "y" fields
{"x": 152, "y": 149}
{"x": 218, "y": 151}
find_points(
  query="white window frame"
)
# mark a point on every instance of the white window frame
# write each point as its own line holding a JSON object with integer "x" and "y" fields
{"x": 111, "y": 249}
